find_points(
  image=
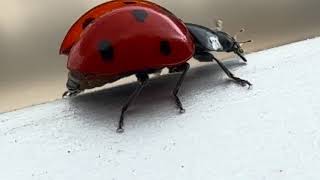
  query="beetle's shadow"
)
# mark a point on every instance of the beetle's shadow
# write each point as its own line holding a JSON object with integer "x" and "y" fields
{"x": 104, "y": 106}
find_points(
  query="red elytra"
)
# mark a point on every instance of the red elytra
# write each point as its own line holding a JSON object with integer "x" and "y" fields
{"x": 136, "y": 44}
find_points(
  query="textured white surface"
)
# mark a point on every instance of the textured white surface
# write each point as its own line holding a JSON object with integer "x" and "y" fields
{"x": 228, "y": 132}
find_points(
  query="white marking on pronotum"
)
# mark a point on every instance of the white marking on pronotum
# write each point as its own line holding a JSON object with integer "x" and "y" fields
{"x": 215, "y": 43}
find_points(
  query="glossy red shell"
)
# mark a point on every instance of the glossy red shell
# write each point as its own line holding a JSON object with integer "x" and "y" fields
{"x": 136, "y": 44}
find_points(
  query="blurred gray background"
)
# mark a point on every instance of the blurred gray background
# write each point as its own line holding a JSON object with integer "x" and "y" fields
{"x": 31, "y": 70}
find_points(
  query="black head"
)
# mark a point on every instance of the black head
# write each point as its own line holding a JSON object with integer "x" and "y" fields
{"x": 214, "y": 40}
{"x": 230, "y": 44}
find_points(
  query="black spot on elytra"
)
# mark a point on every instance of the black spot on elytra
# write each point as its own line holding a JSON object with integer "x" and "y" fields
{"x": 106, "y": 50}
{"x": 87, "y": 22}
{"x": 165, "y": 48}
{"x": 129, "y": 2}
{"x": 140, "y": 15}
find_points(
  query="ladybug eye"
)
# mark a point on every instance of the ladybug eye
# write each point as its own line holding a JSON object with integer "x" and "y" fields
{"x": 106, "y": 50}
{"x": 87, "y": 22}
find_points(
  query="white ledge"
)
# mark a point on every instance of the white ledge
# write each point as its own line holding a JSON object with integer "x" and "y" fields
{"x": 227, "y": 132}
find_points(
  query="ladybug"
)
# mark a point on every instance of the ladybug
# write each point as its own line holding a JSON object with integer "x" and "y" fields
{"x": 121, "y": 38}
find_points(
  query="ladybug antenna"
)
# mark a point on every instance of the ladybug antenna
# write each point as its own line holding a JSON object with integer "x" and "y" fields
{"x": 219, "y": 25}
{"x": 244, "y": 42}
{"x": 236, "y": 35}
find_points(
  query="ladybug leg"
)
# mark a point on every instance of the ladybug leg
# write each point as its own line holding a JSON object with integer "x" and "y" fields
{"x": 207, "y": 57}
{"x": 184, "y": 69}
{"x": 241, "y": 56}
{"x": 242, "y": 82}
{"x": 70, "y": 94}
{"x": 143, "y": 80}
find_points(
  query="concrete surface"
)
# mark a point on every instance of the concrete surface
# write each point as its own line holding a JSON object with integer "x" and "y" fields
{"x": 228, "y": 132}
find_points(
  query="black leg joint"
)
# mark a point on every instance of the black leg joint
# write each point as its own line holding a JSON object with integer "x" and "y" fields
{"x": 142, "y": 77}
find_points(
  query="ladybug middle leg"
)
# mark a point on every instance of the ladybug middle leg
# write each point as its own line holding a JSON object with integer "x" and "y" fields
{"x": 143, "y": 80}
{"x": 181, "y": 68}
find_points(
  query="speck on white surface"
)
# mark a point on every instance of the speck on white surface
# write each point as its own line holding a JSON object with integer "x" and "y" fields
{"x": 270, "y": 132}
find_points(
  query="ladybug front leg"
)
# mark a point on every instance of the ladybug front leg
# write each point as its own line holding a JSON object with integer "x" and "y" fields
{"x": 143, "y": 80}
{"x": 240, "y": 81}
{"x": 208, "y": 57}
